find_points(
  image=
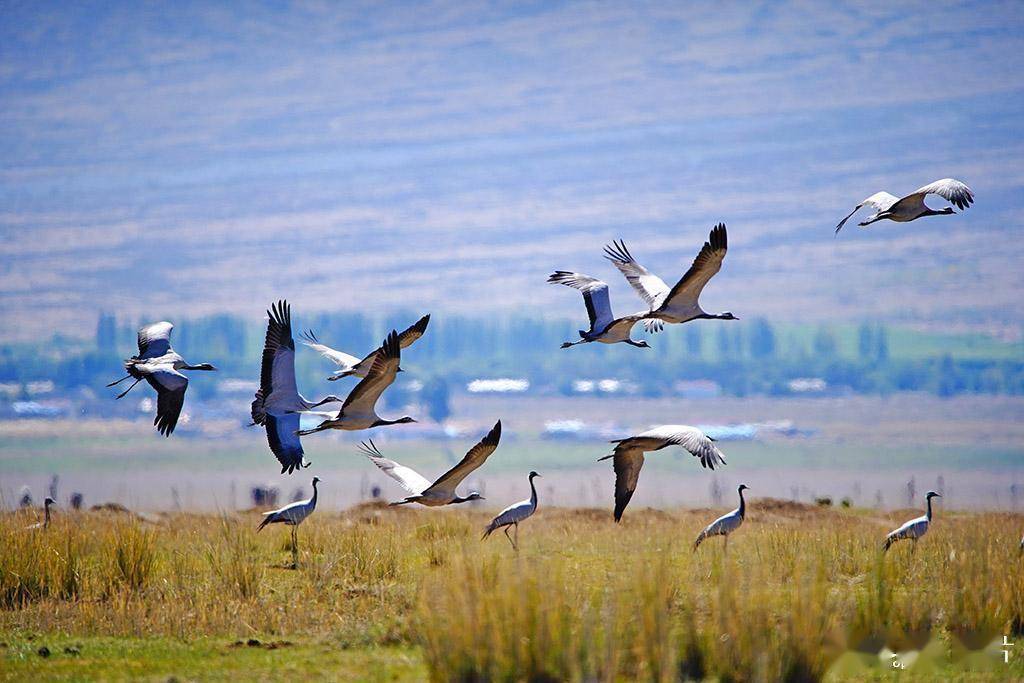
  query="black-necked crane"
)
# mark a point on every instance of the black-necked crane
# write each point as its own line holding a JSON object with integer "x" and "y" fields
{"x": 359, "y": 411}
{"x": 912, "y": 207}
{"x": 681, "y": 303}
{"x": 514, "y": 514}
{"x": 45, "y": 524}
{"x": 443, "y": 490}
{"x": 604, "y": 327}
{"x": 915, "y": 528}
{"x": 349, "y": 365}
{"x": 293, "y": 515}
{"x": 161, "y": 366}
{"x": 726, "y": 524}
{"x": 278, "y": 405}
{"x": 629, "y": 456}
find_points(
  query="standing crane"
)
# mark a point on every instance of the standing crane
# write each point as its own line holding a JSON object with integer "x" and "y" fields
{"x": 359, "y": 411}
{"x": 604, "y": 327}
{"x": 915, "y": 528}
{"x": 293, "y": 515}
{"x": 514, "y": 514}
{"x": 160, "y": 365}
{"x": 45, "y": 524}
{"x": 912, "y": 207}
{"x": 349, "y": 365}
{"x": 278, "y": 405}
{"x": 629, "y": 456}
{"x": 726, "y": 524}
{"x": 443, "y": 490}
{"x": 681, "y": 303}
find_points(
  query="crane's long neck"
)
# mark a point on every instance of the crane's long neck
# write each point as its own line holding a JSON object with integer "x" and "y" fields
{"x": 743, "y": 506}
{"x": 928, "y": 514}
{"x": 312, "y": 501}
{"x": 46, "y": 516}
{"x": 533, "y": 494}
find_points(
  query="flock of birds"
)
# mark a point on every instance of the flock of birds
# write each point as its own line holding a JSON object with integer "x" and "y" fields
{"x": 278, "y": 405}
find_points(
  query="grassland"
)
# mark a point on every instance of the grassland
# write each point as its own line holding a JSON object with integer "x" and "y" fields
{"x": 386, "y": 594}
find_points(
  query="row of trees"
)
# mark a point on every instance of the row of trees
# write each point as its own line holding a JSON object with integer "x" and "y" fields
{"x": 743, "y": 357}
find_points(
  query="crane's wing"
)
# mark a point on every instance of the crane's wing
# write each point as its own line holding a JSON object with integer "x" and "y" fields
{"x": 170, "y": 388}
{"x": 284, "y": 442}
{"x": 364, "y": 396}
{"x": 627, "y": 464}
{"x": 155, "y": 340}
{"x": 950, "y": 189}
{"x": 595, "y": 296}
{"x": 339, "y": 358}
{"x": 410, "y": 334}
{"x": 696, "y": 442}
{"x": 409, "y": 479}
{"x": 405, "y": 339}
{"x": 277, "y": 373}
{"x": 476, "y": 456}
{"x": 651, "y": 288}
{"x": 707, "y": 263}
{"x": 879, "y": 201}
{"x": 626, "y": 322}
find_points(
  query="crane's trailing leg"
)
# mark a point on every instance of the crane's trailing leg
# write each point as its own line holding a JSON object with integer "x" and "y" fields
{"x": 517, "y": 535}
{"x": 121, "y": 395}
{"x": 510, "y": 538}
{"x": 295, "y": 547}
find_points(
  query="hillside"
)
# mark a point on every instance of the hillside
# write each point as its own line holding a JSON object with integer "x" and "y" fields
{"x": 448, "y": 157}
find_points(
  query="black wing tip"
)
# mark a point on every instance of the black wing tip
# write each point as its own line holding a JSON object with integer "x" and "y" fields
{"x": 280, "y": 313}
{"x": 369, "y": 448}
{"x": 391, "y": 347}
{"x": 719, "y": 237}
{"x": 492, "y": 437}
{"x": 617, "y": 252}
{"x": 421, "y": 324}
{"x": 559, "y": 276}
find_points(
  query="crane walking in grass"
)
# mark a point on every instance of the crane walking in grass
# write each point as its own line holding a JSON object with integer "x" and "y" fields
{"x": 442, "y": 491}
{"x": 629, "y": 456}
{"x": 915, "y": 528}
{"x": 45, "y": 524}
{"x": 293, "y": 515}
{"x": 912, "y": 207}
{"x": 160, "y": 365}
{"x": 514, "y": 514}
{"x": 726, "y": 524}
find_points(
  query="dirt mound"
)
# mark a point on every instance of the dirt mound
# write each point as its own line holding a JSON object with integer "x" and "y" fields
{"x": 569, "y": 515}
{"x": 373, "y": 511}
{"x": 111, "y": 507}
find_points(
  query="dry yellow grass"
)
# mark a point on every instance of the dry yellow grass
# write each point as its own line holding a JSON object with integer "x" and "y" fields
{"x": 802, "y": 593}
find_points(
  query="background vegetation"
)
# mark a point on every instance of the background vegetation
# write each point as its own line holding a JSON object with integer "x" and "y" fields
{"x": 803, "y": 594}
{"x": 746, "y": 357}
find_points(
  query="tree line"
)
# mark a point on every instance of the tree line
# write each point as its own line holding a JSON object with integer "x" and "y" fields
{"x": 755, "y": 357}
